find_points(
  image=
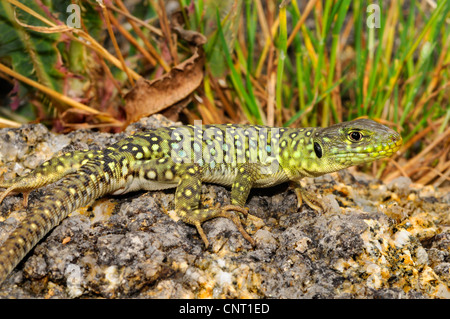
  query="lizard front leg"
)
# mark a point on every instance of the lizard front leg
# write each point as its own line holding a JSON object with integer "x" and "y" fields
{"x": 187, "y": 201}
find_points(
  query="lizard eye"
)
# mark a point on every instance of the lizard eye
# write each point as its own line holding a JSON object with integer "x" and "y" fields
{"x": 355, "y": 136}
{"x": 317, "y": 150}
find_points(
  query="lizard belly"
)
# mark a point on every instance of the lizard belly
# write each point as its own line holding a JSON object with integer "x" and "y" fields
{"x": 271, "y": 180}
{"x": 136, "y": 183}
{"x": 227, "y": 176}
{"x": 224, "y": 176}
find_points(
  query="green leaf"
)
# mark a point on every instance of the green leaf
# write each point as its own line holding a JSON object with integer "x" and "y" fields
{"x": 30, "y": 53}
{"x": 229, "y": 12}
{"x": 250, "y": 106}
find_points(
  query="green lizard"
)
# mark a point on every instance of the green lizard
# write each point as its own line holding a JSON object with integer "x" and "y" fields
{"x": 240, "y": 156}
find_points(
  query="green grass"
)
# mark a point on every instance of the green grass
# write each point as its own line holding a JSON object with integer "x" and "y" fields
{"x": 286, "y": 63}
{"x": 388, "y": 71}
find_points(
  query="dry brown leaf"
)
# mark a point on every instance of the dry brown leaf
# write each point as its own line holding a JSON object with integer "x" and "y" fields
{"x": 193, "y": 37}
{"x": 190, "y": 36}
{"x": 150, "y": 97}
{"x": 173, "y": 112}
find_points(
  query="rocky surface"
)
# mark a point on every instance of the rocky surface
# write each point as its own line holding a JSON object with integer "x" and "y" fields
{"x": 373, "y": 241}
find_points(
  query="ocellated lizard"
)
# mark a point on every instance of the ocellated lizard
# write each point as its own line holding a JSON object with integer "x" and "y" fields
{"x": 240, "y": 156}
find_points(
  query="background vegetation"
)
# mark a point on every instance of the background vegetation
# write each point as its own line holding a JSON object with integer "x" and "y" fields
{"x": 291, "y": 63}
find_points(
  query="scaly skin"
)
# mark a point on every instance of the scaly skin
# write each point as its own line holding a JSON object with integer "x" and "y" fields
{"x": 240, "y": 156}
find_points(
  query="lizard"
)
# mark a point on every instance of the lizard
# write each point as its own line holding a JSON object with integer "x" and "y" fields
{"x": 235, "y": 155}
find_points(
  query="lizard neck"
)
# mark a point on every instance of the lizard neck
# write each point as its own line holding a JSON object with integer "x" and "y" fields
{"x": 296, "y": 153}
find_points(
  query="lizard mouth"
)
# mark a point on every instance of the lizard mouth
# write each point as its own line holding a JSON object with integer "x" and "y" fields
{"x": 381, "y": 151}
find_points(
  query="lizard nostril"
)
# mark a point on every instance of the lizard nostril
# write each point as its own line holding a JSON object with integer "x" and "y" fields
{"x": 396, "y": 139}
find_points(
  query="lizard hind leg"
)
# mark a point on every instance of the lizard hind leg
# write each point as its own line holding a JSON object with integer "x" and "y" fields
{"x": 46, "y": 173}
{"x": 13, "y": 190}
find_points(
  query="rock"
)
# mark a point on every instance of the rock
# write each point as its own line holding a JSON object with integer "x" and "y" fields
{"x": 372, "y": 241}
{"x": 400, "y": 185}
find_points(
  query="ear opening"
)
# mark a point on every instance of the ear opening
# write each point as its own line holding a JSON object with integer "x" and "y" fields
{"x": 318, "y": 150}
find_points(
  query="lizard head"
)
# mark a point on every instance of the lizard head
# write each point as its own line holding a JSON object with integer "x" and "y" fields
{"x": 352, "y": 143}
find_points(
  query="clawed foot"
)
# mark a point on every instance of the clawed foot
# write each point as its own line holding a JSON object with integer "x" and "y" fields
{"x": 310, "y": 200}
{"x": 227, "y": 211}
{"x": 11, "y": 191}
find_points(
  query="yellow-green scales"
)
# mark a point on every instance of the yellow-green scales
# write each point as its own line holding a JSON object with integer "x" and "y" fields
{"x": 240, "y": 156}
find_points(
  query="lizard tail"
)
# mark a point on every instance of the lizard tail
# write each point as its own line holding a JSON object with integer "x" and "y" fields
{"x": 77, "y": 190}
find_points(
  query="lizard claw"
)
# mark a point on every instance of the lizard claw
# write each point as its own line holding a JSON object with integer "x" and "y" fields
{"x": 225, "y": 212}
{"x": 240, "y": 209}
